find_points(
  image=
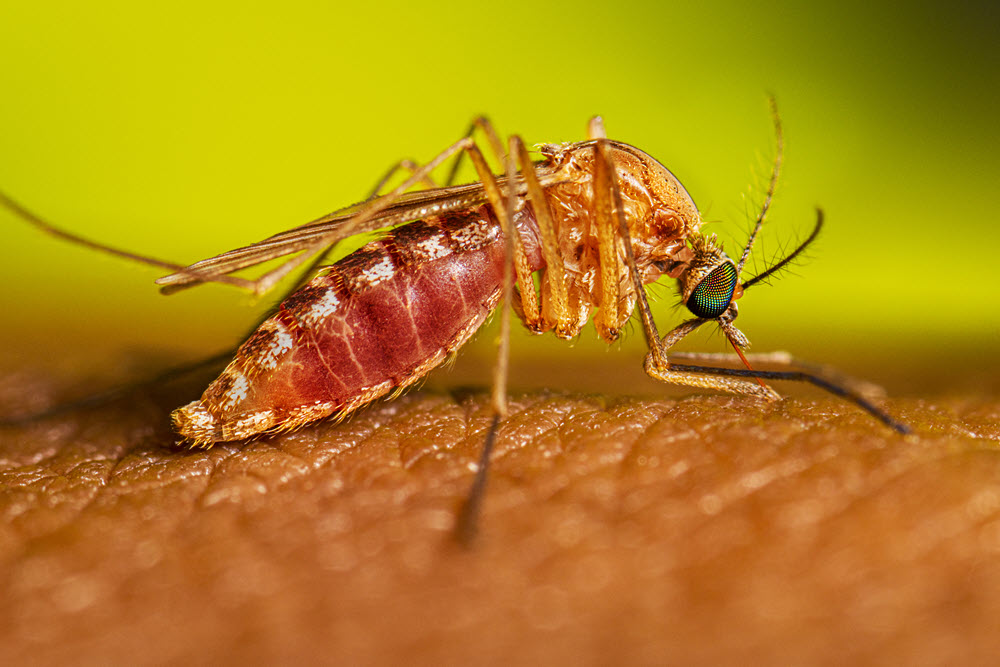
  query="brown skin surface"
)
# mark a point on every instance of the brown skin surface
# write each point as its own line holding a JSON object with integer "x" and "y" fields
{"x": 701, "y": 530}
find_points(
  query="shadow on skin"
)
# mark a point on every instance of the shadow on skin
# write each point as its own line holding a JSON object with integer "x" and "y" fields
{"x": 705, "y": 530}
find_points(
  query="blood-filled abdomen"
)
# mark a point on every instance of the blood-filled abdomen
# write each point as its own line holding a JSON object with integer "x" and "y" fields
{"x": 376, "y": 321}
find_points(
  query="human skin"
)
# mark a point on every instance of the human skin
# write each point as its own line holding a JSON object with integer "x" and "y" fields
{"x": 697, "y": 530}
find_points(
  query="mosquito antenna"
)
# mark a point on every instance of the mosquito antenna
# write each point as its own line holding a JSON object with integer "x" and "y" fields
{"x": 791, "y": 256}
{"x": 775, "y": 170}
{"x": 802, "y": 376}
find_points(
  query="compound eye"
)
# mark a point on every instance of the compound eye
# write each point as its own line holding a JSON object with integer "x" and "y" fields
{"x": 712, "y": 296}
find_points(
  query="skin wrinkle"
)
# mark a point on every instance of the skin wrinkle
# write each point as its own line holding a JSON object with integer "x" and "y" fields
{"x": 363, "y": 442}
{"x": 507, "y": 452}
{"x": 640, "y": 438}
{"x": 428, "y": 452}
{"x": 468, "y": 438}
{"x": 638, "y": 582}
{"x": 89, "y": 465}
{"x": 332, "y": 460}
{"x": 92, "y": 492}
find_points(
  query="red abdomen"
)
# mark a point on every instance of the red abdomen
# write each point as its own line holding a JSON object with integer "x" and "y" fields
{"x": 375, "y": 321}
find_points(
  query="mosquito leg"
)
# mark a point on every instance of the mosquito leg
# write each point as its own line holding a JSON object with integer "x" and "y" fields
{"x": 800, "y": 376}
{"x": 738, "y": 380}
{"x": 483, "y": 124}
{"x": 595, "y": 128}
{"x": 613, "y": 236}
{"x": 787, "y": 361}
{"x": 610, "y": 223}
{"x": 685, "y": 378}
{"x": 615, "y": 210}
{"x": 217, "y": 269}
{"x": 554, "y": 276}
{"x": 670, "y": 374}
{"x": 503, "y": 203}
{"x": 40, "y": 223}
{"x": 402, "y": 165}
{"x": 778, "y": 357}
{"x": 115, "y": 393}
{"x": 608, "y": 205}
{"x": 504, "y": 206}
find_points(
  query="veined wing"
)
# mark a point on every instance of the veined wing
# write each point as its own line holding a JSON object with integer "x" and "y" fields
{"x": 330, "y": 229}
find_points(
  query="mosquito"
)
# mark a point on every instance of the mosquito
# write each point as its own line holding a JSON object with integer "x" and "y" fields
{"x": 594, "y": 221}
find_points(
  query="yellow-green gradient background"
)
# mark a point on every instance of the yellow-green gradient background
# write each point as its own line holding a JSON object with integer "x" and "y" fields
{"x": 188, "y": 129}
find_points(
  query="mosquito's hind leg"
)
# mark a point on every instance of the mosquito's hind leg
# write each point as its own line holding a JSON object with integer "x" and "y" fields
{"x": 40, "y": 223}
{"x": 515, "y": 264}
{"x": 467, "y": 523}
{"x": 403, "y": 165}
{"x": 483, "y": 124}
{"x": 115, "y": 393}
{"x": 321, "y": 258}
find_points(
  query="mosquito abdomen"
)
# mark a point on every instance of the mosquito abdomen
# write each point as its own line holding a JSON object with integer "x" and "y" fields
{"x": 376, "y": 321}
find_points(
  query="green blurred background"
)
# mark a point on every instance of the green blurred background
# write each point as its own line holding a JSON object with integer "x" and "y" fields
{"x": 186, "y": 130}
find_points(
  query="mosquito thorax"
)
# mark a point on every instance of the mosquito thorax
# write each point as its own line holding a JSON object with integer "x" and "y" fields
{"x": 711, "y": 281}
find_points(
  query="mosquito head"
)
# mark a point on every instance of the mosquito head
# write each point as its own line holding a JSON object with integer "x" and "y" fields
{"x": 710, "y": 283}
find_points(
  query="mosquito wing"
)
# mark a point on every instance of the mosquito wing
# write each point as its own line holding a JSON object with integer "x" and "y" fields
{"x": 327, "y": 231}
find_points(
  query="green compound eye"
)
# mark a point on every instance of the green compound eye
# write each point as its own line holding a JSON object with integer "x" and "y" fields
{"x": 712, "y": 296}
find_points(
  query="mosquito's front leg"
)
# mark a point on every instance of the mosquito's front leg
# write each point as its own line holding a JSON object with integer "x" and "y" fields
{"x": 610, "y": 316}
{"x": 658, "y": 366}
{"x": 611, "y": 218}
{"x": 785, "y": 361}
